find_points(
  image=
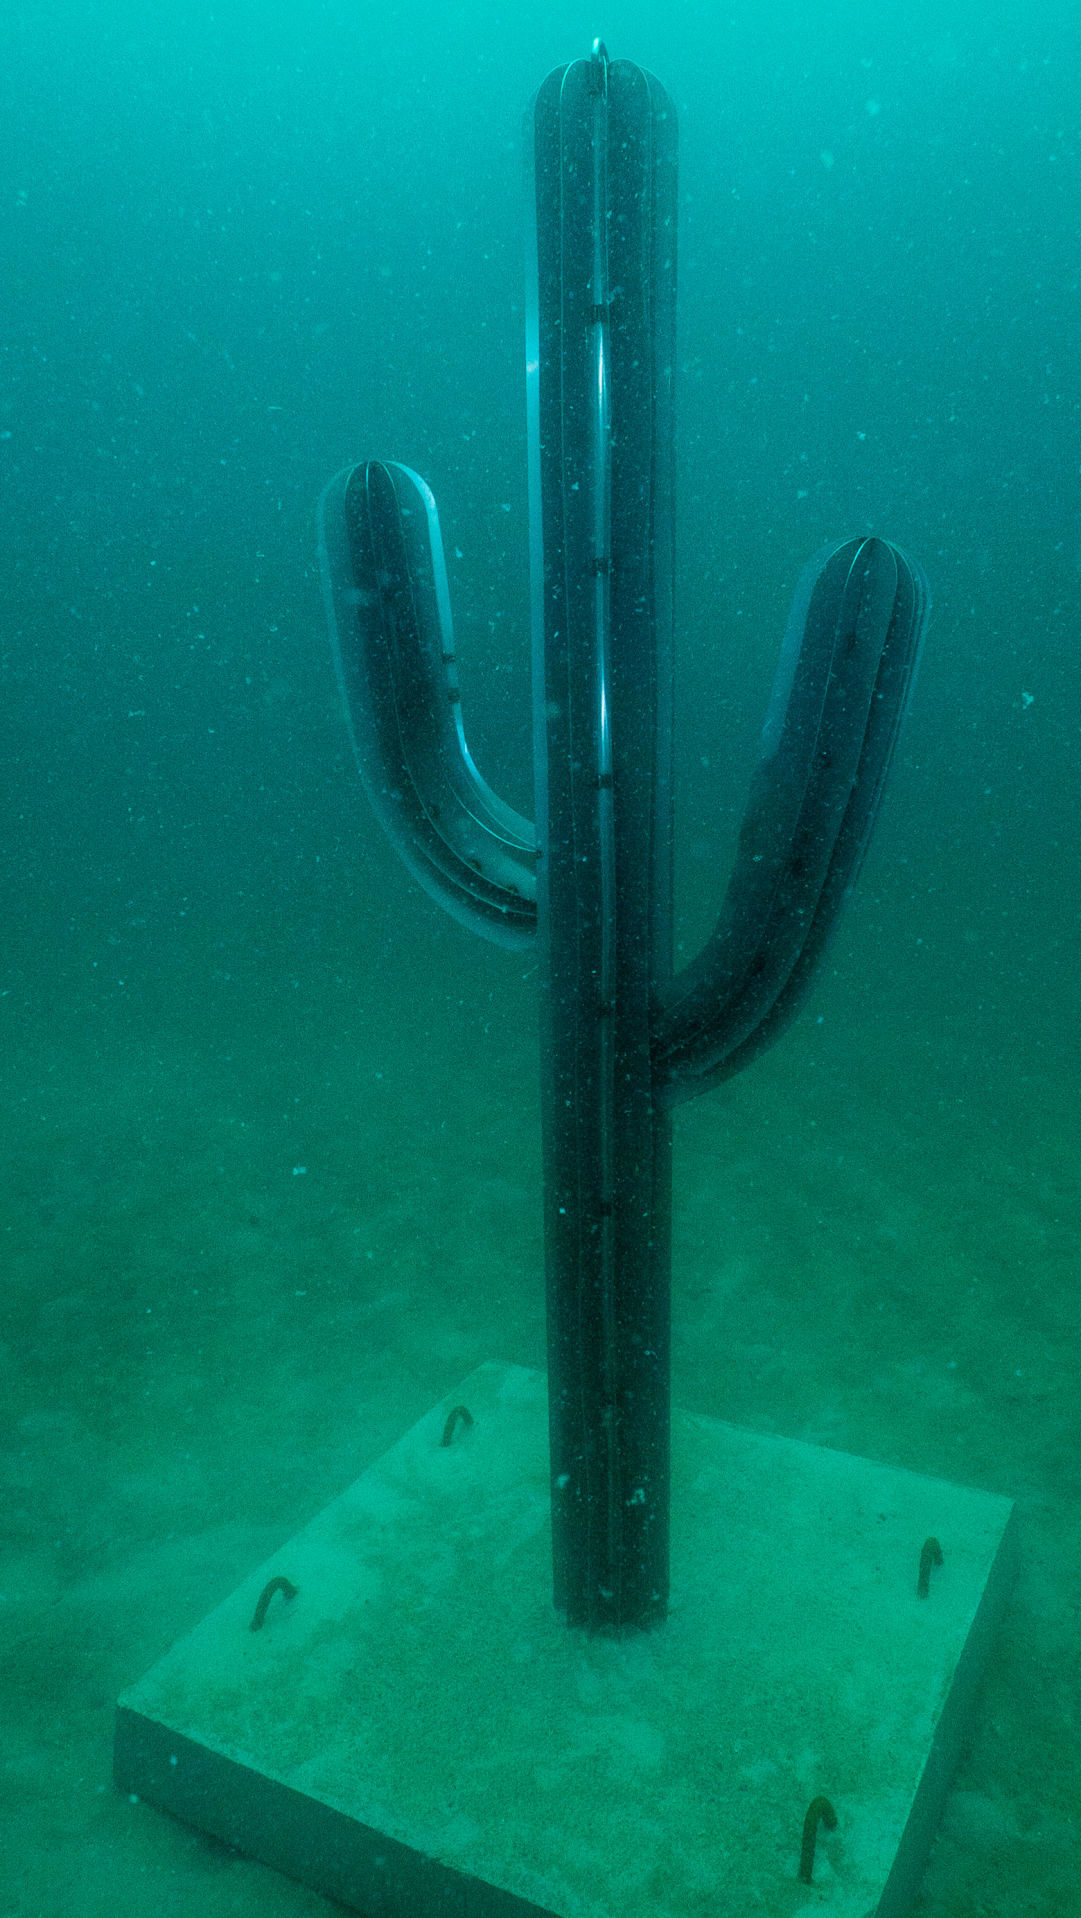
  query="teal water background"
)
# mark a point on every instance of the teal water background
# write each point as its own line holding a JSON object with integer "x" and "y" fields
{"x": 271, "y": 1134}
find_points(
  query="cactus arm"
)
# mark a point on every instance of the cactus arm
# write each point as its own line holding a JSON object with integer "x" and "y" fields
{"x": 843, "y": 682}
{"x": 388, "y": 608}
{"x": 893, "y": 687}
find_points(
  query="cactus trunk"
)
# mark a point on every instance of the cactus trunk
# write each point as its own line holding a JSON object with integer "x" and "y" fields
{"x": 601, "y": 306}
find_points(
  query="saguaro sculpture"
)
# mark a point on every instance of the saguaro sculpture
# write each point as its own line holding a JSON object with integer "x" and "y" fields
{"x": 622, "y": 1038}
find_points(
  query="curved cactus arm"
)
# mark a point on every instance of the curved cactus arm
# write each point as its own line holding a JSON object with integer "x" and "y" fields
{"x": 839, "y": 697}
{"x": 388, "y": 609}
{"x": 887, "y": 710}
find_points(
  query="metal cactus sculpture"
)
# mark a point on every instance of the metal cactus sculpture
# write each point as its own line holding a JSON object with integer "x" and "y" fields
{"x": 623, "y": 1039}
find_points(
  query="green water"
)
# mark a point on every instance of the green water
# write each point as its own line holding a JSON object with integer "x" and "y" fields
{"x": 272, "y": 1151}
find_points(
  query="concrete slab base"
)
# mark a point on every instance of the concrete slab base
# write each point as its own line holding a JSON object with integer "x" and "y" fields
{"x": 417, "y": 1734}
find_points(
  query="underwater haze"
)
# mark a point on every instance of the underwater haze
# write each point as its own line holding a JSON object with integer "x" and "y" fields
{"x": 272, "y": 1155}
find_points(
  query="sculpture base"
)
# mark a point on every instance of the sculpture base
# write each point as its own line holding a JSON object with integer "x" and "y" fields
{"x": 417, "y": 1733}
